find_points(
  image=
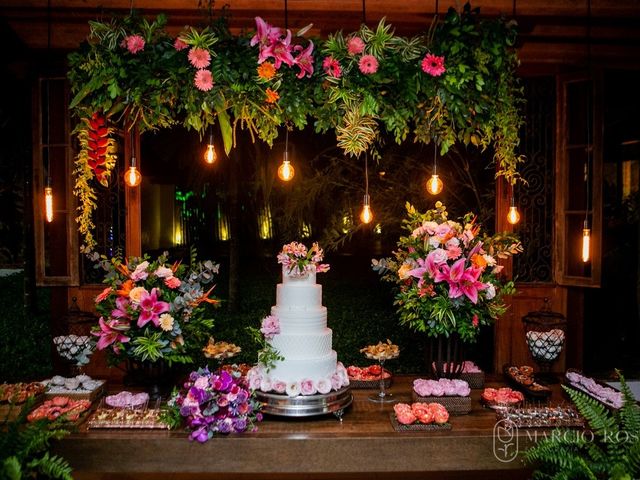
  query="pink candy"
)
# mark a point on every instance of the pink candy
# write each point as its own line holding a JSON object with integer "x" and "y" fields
{"x": 126, "y": 399}
{"x": 443, "y": 386}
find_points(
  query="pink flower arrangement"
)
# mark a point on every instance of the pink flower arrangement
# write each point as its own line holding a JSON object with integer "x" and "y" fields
{"x": 203, "y": 80}
{"x": 368, "y": 64}
{"x": 146, "y": 302}
{"x": 215, "y": 403}
{"x": 446, "y": 274}
{"x": 199, "y": 57}
{"x": 134, "y": 43}
{"x": 433, "y": 65}
{"x": 332, "y": 67}
{"x": 299, "y": 261}
{"x": 258, "y": 378}
{"x": 355, "y": 46}
{"x": 424, "y": 413}
{"x": 272, "y": 43}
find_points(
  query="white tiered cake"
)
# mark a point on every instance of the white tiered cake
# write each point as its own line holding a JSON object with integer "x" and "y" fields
{"x": 310, "y": 364}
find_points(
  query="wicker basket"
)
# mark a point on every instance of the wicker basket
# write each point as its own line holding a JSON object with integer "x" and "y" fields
{"x": 417, "y": 427}
{"x": 10, "y": 411}
{"x": 454, "y": 405}
{"x": 369, "y": 384}
{"x": 474, "y": 379}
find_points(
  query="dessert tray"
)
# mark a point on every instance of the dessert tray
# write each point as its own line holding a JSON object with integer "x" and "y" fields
{"x": 542, "y": 417}
{"x": 419, "y": 417}
{"x": 60, "y": 407}
{"x": 80, "y": 387}
{"x": 14, "y": 395}
{"x": 452, "y": 394}
{"x": 126, "y": 410}
{"x": 501, "y": 398}
{"x": 523, "y": 379}
{"x": 600, "y": 391}
{"x": 368, "y": 377}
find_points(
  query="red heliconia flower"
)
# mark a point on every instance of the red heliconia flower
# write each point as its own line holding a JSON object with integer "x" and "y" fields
{"x": 98, "y": 147}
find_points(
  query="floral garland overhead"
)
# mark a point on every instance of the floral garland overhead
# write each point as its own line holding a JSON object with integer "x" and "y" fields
{"x": 454, "y": 84}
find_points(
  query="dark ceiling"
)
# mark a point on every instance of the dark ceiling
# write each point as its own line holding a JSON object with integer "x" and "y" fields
{"x": 552, "y": 32}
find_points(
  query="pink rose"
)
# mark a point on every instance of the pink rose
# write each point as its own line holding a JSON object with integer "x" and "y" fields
{"x": 355, "y": 46}
{"x": 307, "y": 387}
{"x": 172, "y": 282}
{"x": 163, "y": 272}
{"x": 270, "y": 326}
{"x": 422, "y": 412}
{"x": 404, "y": 415}
{"x": 437, "y": 390}
{"x": 265, "y": 384}
{"x": 279, "y": 386}
{"x": 336, "y": 382}
{"x": 201, "y": 383}
{"x": 438, "y": 256}
{"x": 324, "y": 386}
{"x": 140, "y": 273}
{"x": 293, "y": 389}
{"x": 255, "y": 382}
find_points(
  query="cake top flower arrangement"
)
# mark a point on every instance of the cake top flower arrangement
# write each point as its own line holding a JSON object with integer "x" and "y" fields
{"x": 153, "y": 310}
{"x": 299, "y": 260}
{"x": 447, "y": 275}
{"x": 214, "y": 403}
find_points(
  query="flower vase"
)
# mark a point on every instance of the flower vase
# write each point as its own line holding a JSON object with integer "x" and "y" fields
{"x": 155, "y": 378}
{"x": 445, "y": 356}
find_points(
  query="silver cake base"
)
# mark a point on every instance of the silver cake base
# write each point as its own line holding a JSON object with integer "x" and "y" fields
{"x": 306, "y": 405}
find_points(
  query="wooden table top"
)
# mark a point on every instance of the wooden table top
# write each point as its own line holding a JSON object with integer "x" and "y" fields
{"x": 363, "y": 444}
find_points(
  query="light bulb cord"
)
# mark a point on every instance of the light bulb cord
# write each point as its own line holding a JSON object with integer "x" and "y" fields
{"x": 133, "y": 147}
{"x": 286, "y": 144}
{"x": 47, "y": 159}
{"x": 587, "y": 166}
{"x": 366, "y": 174}
{"x": 435, "y": 156}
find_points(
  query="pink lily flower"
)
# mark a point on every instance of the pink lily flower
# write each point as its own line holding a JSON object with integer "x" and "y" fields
{"x": 280, "y": 50}
{"x": 151, "y": 308}
{"x": 111, "y": 333}
{"x": 121, "y": 309}
{"x": 265, "y": 33}
{"x": 304, "y": 60}
{"x": 461, "y": 281}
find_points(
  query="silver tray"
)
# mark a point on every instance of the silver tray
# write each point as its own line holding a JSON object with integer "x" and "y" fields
{"x": 305, "y": 405}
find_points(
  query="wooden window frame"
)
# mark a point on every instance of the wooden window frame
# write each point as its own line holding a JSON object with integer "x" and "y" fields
{"x": 562, "y": 187}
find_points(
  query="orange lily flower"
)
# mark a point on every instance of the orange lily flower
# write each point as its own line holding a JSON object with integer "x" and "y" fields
{"x": 125, "y": 288}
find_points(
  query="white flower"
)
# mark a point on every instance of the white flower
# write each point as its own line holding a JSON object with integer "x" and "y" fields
{"x": 265, "y": 384}
{"x": 453, "y": 242}
{"x": 434, "y": 241}
{"x": 293, "y": 389}
{"x": 430, "y": 227}
{"x": 489, "y": 259}
{"x": 439, "y": 256}
{"x": 490, "y": 291}
{"x": 163, "y": 272}
{"x": 166, "y": 322}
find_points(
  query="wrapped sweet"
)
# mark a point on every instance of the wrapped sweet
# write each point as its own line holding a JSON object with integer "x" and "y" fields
{"x": 443, "y": 386}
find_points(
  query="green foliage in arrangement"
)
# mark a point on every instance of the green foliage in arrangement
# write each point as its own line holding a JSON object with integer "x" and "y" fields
{"x": 24, "y": 448}
{"x": 613, "y": 451}
{"x": 455, "y": 83}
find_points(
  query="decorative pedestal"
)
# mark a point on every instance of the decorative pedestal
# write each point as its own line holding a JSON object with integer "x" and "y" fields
{"x": 306, "y": 405}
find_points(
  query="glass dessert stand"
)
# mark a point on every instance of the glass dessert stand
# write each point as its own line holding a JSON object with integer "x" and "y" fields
{"x": 381, "y": 352}
{"x": 76, "y": 349}
{"x": 334, "y": 402}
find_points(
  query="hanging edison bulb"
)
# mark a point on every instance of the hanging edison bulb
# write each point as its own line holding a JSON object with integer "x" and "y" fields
{"x": 132, "y": 177}
{"x": 48, "y": 203}
{"x": 434, "y": 185}
{"x": 586, "y": 242}
{"x": 210, "y": 153}
{"x": 366, "y": 215}
{"x": 286, "y": 170}
{"x": 513, "y": 216}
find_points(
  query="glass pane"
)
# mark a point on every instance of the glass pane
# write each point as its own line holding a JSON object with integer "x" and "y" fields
{"x": 576, "y": 191}
{"x": 55, "y": 246}
{"x": 578, "y": 100}
{"x": 58, "y": 173}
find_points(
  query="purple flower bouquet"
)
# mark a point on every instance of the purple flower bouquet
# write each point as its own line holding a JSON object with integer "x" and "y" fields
{"x": 216, "y": 403}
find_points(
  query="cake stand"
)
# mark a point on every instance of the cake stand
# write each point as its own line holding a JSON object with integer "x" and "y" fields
{"x": 306, "y": 405}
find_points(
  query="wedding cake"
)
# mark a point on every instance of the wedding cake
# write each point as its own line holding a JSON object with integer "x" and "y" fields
{"x": 298, "y": 358}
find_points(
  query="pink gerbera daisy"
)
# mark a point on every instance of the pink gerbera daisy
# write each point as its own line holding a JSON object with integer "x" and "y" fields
{"x": 199, "y": 57}
{"x": 368, "y": 64}
{"x": 433, "y": 65}
{"x": 332, "y": 67}
{"x": 134, "y": 43}
{"x": 203, "y": 80}
{"x": 179, "y": 44}
{"x": 355, "y": 45}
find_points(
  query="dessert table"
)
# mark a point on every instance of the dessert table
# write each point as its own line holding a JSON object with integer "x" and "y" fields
{"x": 364, "y": 445}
